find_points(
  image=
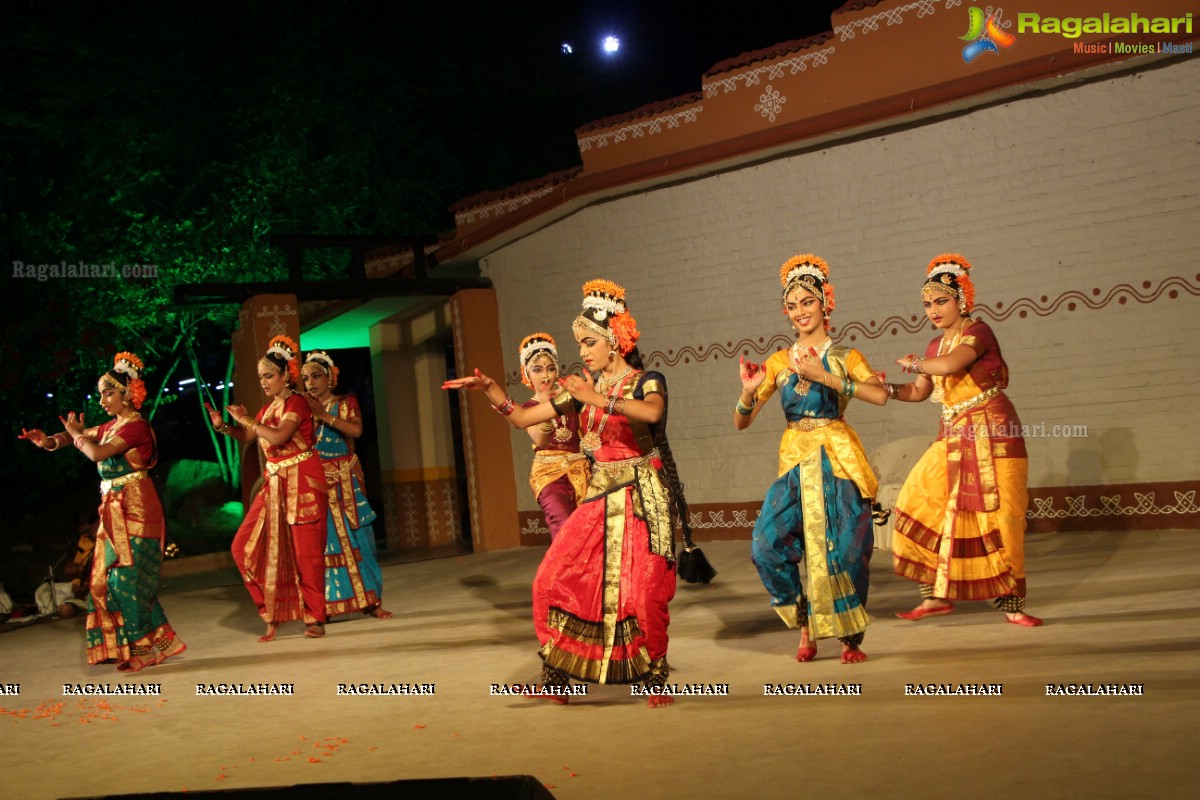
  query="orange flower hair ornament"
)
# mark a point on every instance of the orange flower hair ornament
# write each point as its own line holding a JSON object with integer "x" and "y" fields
{"x": 324, "y": 362}
{"x": 605, "y": 314}
{"x": 533, "y": 345}
{"x": 126, "y": 375}
{"x": 810, "y": 273}
{"x": 281, "y": 353}
{"x": 947, "y": 274}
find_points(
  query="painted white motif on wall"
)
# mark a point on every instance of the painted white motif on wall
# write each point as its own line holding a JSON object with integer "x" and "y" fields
{"x": 716, "y": 519}
{"x": 636, "y": 130}
{"x": 273, "y": 316}
{"x": 774, "y": 71}
{"x": 1144, "y": 504}
{"x": 412, "y": 526}
{"x": 770, "y": 103}
{"x": 500, "y": 207}
{"x": 535, "y": 527}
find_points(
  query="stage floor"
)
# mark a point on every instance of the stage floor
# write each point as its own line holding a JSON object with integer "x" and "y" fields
{"x": 1120, "y": 608}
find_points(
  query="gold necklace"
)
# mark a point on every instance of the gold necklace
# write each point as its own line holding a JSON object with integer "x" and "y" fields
{"x": 591, "y": 440}
{"x": 802, "y": 383}
{"x": 939, "y": 381}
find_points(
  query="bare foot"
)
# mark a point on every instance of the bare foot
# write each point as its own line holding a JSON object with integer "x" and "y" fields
{"x": 1026, "y": 620}
{"x": 808, "y": 650}
{"x": 269, "y": 636}
{"x": 851, "y": 654}
{"x": 315, "y": 630}
{"x": 659, "y": 700}
{"x": 378, "y": 612}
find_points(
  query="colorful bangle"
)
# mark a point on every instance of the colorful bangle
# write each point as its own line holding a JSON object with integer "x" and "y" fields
{"x": 505, "y": 408}
{"x": 80, "y": 441}
{"x": 893, "y": 391}
{"x": 848, "y": 387}
{"x": 53, "y": 439}
{"x": 918, "y": 365}
{"x": 743, "y": 409}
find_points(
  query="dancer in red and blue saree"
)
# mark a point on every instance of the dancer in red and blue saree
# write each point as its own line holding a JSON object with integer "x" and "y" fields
{"x": 280, "y": 546}
{"x": 817, "y": 516}
{"x": 601, "y": 593}
{"x": 125, "y": 622}
{"x": 353, "y": 580}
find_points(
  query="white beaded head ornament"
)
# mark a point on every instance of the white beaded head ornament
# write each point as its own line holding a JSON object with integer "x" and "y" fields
{"x": 533, "y": 345}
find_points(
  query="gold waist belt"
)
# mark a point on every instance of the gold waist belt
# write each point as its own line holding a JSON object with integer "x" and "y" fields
{"x": 275, "y": 466}
{"x": 106, "y": 486}
{"x": 557, "y": 455}
{"x": 810, "y": 423}
{"x": 625, "y": 463}
{"x": 950, "y": 412}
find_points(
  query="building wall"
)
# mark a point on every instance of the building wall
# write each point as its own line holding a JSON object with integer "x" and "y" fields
{"x": 1079, "y": 209}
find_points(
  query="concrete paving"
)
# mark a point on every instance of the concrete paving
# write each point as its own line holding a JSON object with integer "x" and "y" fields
{"x": 1121, "y": 608}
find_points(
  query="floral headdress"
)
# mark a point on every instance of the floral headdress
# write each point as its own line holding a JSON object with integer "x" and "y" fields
{"x": 606, "y": 315}
{"x": 948, "y": 274}
{"x": 281, "y": 354}
{"x": 533, "y": 345}
{"x": 324, "y": 362}
{"x": 126, "y": 375}
{"x": 810, "y": 273}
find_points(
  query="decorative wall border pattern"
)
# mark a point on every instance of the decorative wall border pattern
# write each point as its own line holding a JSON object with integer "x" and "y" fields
{"x": 501, "y": 207}
{"x": 636, "y": 130}
{"x": 895, "y": 16}
{"x": 761, "y": 346}
{"x": 1068, "y": 508}
{"x": 753, "y": 77}
{"x": 1044, "y": 307}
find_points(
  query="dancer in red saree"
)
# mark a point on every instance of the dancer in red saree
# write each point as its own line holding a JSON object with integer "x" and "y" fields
{"x": 601, "y": 593}
{"x": 125, "y": 623}
{"x": 280, "y": 545}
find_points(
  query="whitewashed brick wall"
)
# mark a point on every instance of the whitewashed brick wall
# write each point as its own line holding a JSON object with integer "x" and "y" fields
{"x": 1083, "y": 188}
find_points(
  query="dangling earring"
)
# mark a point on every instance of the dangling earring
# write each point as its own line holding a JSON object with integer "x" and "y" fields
{"x": 612, "y": 355}
{"x": 962, "y": 307}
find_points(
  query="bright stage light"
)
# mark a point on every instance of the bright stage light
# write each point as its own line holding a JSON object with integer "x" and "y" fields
{"x": 611, "y": 44}
{"x": 567, "y": 49}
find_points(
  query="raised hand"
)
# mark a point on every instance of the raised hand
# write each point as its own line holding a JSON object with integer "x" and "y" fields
{"x": 751, "y": 372}
{"x": 808, "y": 365}
{"x": 214, "y": 416}
{"x": 73, "y": 424}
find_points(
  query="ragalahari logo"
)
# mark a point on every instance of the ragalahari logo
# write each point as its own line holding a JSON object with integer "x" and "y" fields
{"x": 984, "y": 36}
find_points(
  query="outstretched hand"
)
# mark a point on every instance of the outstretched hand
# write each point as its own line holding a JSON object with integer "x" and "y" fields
{"x": 37, "y": 436}
{"x": 477, "y": 381}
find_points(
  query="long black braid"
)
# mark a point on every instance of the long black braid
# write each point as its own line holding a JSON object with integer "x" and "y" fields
{"x": 670, "y": 472}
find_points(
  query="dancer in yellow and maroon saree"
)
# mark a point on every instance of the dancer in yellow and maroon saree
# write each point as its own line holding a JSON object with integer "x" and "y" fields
{"x": 960, "y": 516}
{"x": 125, "y": 622}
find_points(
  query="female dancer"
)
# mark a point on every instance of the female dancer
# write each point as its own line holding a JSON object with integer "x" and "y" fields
{"x": 125, "y": 622}
{"x": 353, "y": 580}
{"x": 818, "y": 511}
{"x": 960, "y": 516}
{"x": 559, "y": 477}
{"x": 601, "y": 593}
{"x": 280, "y": 545}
